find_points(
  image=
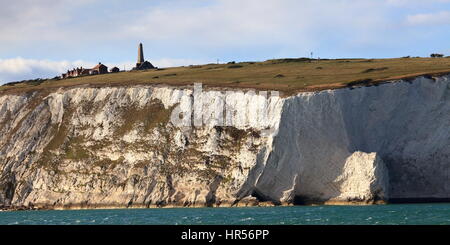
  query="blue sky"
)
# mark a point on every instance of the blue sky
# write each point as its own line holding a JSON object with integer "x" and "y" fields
{"x": 46, "y": 37}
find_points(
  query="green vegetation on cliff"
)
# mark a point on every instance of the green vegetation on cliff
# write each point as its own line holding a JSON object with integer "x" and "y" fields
{"x": 287, "y": 75}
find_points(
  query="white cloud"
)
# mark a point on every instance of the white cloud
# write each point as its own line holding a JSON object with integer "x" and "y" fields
{"x": 20, "y": 65}
{"x": 41, "y": 20}
{"x": 257, "y": 22}
{"x": 224, "y": 21}
{"x": 19, "y": 68}
{"x": 221, "y": 22}
{"x": 438, "y": 18}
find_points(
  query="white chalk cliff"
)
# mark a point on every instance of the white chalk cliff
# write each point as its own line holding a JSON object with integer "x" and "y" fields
{"x": 117, "y": 147}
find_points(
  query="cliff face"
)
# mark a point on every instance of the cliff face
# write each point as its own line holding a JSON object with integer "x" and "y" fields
{"x": 120, "y": 147}
{"x": 405, "y": 124}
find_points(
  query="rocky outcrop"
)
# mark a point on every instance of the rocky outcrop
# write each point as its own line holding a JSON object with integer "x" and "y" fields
{"x": 119, "y": 147}
{"x": 364, "y": 178}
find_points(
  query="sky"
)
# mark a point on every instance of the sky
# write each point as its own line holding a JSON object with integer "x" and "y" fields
{"x": 43, "y": 38}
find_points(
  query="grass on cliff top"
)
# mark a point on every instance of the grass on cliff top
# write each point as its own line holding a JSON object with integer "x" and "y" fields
{"x": 286, "y": 75}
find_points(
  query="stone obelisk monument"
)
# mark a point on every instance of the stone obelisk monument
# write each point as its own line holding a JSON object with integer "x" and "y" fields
{"x": 141, "y": 63}
{"x": 140, "y": 55}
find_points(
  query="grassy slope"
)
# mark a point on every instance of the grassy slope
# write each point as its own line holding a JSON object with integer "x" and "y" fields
{"x": 289, "y": 75}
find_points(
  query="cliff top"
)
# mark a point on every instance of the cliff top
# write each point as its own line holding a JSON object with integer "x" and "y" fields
{"x": 286, "y": 75}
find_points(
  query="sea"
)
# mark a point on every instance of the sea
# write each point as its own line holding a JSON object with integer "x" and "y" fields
{"x": 394, "y": 214}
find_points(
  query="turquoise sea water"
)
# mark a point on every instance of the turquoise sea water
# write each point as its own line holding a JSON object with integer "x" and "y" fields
{"x": 411, "y": 214}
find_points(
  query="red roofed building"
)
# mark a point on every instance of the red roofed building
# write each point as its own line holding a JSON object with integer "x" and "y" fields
{"x": 100, "y": 68}
{"x": 76, "y": 72}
